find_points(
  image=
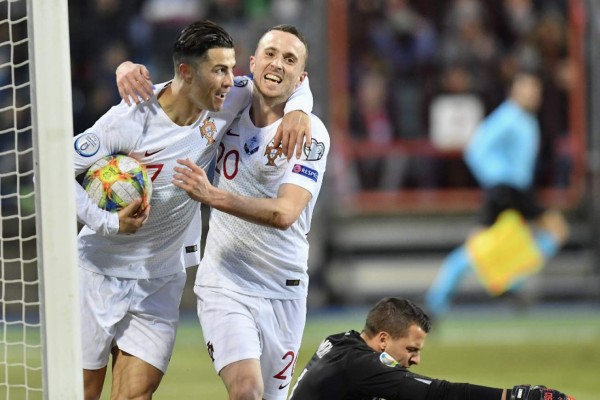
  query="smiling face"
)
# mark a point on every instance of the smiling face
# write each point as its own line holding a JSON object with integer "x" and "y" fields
{"x": 211, "y": 78}
{"x": 278, "y": 65}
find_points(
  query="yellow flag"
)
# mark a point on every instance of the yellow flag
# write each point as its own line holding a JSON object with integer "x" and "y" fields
{"x": 504, "y": 253}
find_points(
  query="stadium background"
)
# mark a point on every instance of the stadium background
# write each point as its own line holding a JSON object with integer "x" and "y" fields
{"x": 397, "y": 196}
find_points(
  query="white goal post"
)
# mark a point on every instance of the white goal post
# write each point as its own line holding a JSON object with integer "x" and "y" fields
{"x": 55, "y": 194}
{"x": 50, "y": 131}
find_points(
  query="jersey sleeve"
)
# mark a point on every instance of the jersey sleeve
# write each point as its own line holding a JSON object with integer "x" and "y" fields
{"x": 301, "y": 99}
{"x": 102, "y": 222}
{"x": 309, "y": 170}
{"x": 370, "y": 377}
{"x": 240, "y": 95}
{"x": 111, "y": 134}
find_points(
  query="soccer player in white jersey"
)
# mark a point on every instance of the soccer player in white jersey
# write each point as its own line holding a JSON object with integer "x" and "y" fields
{"x": 252, "y": 281}
{"x": 133, "y": 263}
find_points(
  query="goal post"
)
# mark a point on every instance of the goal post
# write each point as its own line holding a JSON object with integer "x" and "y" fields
{"x": 52, "y": 127}
{"x": 40, "y": 351}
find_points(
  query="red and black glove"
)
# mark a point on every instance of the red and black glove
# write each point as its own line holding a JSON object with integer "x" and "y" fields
{"x": 529, "y": 392}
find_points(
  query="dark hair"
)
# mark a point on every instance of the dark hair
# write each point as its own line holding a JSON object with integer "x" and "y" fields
{"x": 196, "y": 39}
{"x": 294, "y": 31}
{"x": 395, "y": 316}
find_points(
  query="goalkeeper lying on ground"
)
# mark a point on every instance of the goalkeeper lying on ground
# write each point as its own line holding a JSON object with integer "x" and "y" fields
{"x": 374, "y": 364}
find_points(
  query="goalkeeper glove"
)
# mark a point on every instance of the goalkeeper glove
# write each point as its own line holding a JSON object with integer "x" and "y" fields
{"x": 528, "y": 392}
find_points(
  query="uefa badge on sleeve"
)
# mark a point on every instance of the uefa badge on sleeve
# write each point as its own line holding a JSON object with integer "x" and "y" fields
{"x": 87, "y": 144}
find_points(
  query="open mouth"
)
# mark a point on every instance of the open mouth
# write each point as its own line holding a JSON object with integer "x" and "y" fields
{"x": 273, "y": 78}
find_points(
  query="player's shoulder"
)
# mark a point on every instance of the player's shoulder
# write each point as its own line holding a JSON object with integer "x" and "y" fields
{"x": 121, "y": 124}
{"x": 242, "y": 86}
{"x": 139, "y": 112}
{"x": 315, "y": 120}
{"x": 242, "y": 82}
{"x": 317, "y": 126}
{"x": 240, "y": 93}
{"x": 507, "y": 112}
{"x": 349, "y": 338}
{"x": 130, "y": 114}
{"x": 125, "y": 118}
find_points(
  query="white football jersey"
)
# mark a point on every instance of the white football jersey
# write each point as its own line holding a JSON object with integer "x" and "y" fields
{"x": 251, "y": 258}
{"x": 146, "y": 133}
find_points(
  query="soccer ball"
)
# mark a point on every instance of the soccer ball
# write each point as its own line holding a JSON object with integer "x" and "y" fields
{"x": 115, "y": 181}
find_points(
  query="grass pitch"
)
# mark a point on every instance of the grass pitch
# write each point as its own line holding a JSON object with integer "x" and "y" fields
{"x": 557, "y": 347}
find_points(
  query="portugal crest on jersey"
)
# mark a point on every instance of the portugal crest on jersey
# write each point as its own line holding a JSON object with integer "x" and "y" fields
{"x": 208, "y": 130}
{"x": 272, "y": 154}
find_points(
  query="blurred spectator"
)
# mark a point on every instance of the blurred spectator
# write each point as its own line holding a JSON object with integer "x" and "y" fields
{"x": 455, "y": 110}
{"x": 372, "y": 122}
{"x": 466, "y": 40}
{"x": 166, "y": 18}
{"x": 516, "y": 20}
{"x": 550, "y": 39}
{"x": 455, "y": 106}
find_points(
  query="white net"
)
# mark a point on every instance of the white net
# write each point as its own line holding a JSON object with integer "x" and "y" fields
{"x": 20, "y": 339}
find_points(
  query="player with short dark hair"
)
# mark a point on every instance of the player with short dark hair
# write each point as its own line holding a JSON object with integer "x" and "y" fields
{"x": 132, "y": 266}
{"x": 252, "y": 282}
{"x": 374, "y": 364}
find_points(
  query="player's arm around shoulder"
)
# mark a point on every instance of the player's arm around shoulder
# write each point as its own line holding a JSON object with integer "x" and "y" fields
{"x": 240, "y": 95}
{"x": 133, "y": 82}
{"x": 295, "y": 128}
{"x": 238, "y": 98}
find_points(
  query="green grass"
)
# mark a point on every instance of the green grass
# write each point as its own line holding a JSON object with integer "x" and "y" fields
{"x": 561, "y": 352}
{"x": 559, "y": 348}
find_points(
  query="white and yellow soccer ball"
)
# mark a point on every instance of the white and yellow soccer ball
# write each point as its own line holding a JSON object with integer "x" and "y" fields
{"x": 114, "y": 181}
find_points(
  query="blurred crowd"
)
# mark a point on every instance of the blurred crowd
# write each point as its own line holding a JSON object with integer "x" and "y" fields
{"x": 424, "y": 73}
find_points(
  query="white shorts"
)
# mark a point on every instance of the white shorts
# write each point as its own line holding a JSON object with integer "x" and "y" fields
{"x": 238, "y": 327}
{"x": 139, "y": 316}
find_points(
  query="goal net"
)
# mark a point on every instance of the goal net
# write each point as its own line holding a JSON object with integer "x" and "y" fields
{"x": 39, "y": 325}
